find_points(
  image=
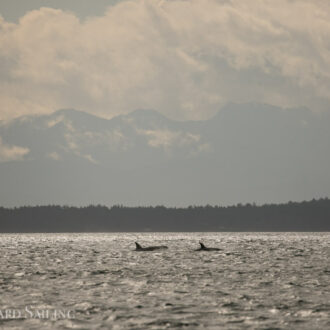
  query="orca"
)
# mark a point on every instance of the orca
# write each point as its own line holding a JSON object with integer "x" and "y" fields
{"x": 204, "y": 248}
{"x": 149, "y": 248}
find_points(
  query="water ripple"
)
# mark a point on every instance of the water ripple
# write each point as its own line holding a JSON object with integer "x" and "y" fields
{"x": 259, "y": 281}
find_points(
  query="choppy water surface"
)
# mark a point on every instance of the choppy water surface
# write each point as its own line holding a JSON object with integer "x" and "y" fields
{"x": 257, "y": 280}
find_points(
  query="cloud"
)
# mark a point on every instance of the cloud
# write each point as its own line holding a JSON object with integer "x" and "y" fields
{"x": 54, "y": 155}
{"x": 10, "y": 153}
{"x": 170, "y": 140}
{"x": 183, "y": 58}
{"x": 167, "y": 138}
{"x": 55, "y": 121}
{"x": 77, "y": 138}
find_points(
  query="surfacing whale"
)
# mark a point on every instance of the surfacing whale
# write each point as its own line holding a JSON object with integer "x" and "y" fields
{"x": 149, "y": 248}
{"x": 204, "y": 248}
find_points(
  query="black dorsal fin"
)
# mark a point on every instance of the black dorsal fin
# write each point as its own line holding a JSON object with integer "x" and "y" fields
{"x": 138, "y": 246}
{"x": 203, "y": 247}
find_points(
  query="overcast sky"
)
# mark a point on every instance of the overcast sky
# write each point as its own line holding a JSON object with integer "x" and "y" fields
{"x": 184, "y": 58}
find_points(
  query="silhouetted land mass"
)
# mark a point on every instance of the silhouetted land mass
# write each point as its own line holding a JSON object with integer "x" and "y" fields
{"x": 303, "y": 216}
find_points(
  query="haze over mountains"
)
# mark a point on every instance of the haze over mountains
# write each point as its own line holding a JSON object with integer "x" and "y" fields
{"x": 246, "y": 153}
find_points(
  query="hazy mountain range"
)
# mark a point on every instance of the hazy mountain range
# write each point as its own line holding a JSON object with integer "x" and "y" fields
{"x": 245, "y": 153}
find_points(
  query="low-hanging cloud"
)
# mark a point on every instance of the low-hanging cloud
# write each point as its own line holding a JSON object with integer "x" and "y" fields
{"x": 168, "y": 140}
{"x": 10, "y": 153}
{"x": 184, "y": 58}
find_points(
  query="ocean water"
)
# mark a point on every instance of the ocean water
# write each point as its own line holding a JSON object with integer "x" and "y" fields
{"x": 98, "y": 281}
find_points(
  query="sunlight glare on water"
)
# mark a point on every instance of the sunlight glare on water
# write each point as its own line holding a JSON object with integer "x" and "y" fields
{"x": 256, "y": 280}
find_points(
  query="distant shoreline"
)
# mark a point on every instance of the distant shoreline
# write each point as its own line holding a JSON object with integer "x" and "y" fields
{"x": 164, "y": 232}
{"x": 307, "y": 216}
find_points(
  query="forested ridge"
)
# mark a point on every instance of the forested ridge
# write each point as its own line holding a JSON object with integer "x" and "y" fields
{"x": 311, "y": 215}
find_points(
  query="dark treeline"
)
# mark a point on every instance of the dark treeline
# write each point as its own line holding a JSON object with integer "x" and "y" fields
{"x": 304, "y": 216}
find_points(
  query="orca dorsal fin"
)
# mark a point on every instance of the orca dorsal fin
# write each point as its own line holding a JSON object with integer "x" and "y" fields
{"x": 203, "y": 247}
{"x": 138, "y": 246}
